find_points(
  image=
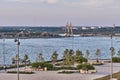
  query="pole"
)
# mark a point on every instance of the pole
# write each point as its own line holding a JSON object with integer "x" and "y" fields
{"x": 18, "y": 44}
{"x": 18, "y": 58}
{"x": 111, "y": 58}
{"x": 4, "y": 52}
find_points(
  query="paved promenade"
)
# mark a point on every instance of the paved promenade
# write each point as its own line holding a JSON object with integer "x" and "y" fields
{"x": 53, "y": 75}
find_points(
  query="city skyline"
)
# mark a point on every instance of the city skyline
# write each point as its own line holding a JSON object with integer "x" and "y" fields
{"x": 59, "y": 12}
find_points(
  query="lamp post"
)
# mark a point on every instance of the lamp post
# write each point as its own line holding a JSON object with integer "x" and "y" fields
{"x": 18, "y": 44}
{"x": 4, "y": 65}
{"x": 112, "y": 53}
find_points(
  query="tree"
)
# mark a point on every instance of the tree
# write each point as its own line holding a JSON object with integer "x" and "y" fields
{"x": 40, "y": 58}
{"x": 79, "y": 53}
{"x": 98, "y": 53}
{"x": 15, "y": 59}
{"x": 87, "y": 54}
{"x": 118, "y": 53}
{"x": 54, "y": 57}
{"x": 78, "y": 56}
{"x": 71, "y": 52}
{"x": 68, "y": 58}
{"x": 112, "y": 51}
{"x": 26, "y": 59}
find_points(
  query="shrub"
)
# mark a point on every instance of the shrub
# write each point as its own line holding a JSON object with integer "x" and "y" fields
{"x": 85, "y": 66}
{"x": 81, "y": 59}
{"x": 97, "y": 64}
{"x": 116, "y": 59}
{"x": 64, "y": 68}
{"x": 42, "y": 65}
{"x": 66, "y": 72}
{"x": 21, "y": 72}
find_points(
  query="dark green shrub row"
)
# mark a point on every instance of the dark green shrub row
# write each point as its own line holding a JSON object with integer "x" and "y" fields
{"x": 21, "y": 72}
{"x": 97, "y": 64}
{"x": 13, "y": 66}
{"x": 64, "y": 68}
{"x": 42, "y": 65}
{"x": 116, "y": 59}
{"x": 85, "y": 66}
{"x": 66, "y": 72}
{"x": 81, "y": 59}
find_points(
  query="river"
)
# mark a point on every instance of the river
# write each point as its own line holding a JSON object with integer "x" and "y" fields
{"x": 47, "y": 46}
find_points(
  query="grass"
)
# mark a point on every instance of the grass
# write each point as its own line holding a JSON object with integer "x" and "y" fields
{"x": 115, "y": 75}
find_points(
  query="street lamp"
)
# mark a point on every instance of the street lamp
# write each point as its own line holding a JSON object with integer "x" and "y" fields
{"x": 18, "y": 44}
{"x": 4, "y": 65}
{"x": 112, "y": 53}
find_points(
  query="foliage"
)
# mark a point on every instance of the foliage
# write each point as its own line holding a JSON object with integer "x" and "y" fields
{"x": 40, "y": 58}
{"x": 68, "y": 58}
{"x": 15, "y": 59}
{"x": 54, "y": 57}
{"x": 21, "y": 72}
{"x": 79, "y": 53}
{"x": 98, "y": 53}
{"x": 112, "y": 51}
{"x": 66, "y": 72}
{"x": 85, "y": 66}
{"x": 81, "y": 59}
{"x": 97, "y": 64}
{"x": 26, "y": 60}
{"x": 118, "y": 53}
{"x": 42, "y": 65}
{"x": 87, "y": 54}
{"x": 26, "y": 57}
{"x": 64, "y": 68}
{"x": 116, "y": 59}
{"x": 13, "y": 66}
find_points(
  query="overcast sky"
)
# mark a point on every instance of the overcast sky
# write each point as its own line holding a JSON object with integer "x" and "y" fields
{"x": 59, "y": 12}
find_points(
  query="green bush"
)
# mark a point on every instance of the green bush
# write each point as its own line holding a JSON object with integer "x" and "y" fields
{"x": 116, "y": 59}
{"x": 85, "y": 66}
{"x": 21, "y": 72}
{"x": 97, "y": 64}
{"x": 66, "y": 72}
{"x": 64, "y": 68}
{"x": 13, "y": 66}
{"x": 81, "y": 59}
{"x": 42, "y": 65}
{"x": 35, "y": 65}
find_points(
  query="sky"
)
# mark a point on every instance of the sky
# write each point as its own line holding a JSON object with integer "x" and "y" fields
{"x": 59, "y": 12}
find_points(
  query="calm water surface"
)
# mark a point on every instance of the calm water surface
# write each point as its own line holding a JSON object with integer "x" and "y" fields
{"x": 33, "y": 47}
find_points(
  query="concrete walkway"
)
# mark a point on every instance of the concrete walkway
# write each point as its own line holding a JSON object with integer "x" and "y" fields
{"x": 53, "y": 75}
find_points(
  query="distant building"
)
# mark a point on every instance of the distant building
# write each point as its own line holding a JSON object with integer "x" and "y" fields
{"x": 84, "y": 28}
{"x": 92, "y": 27}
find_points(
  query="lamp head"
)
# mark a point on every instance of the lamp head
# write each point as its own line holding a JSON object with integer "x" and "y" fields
{"x": 15, "y": 40}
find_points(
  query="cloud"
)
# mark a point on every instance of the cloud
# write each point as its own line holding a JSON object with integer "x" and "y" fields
{"x": 98, "y": 3}
{"x": 51, "y": 1}
{"x": 93, "y": 3}
{"x": 36, "y": 1}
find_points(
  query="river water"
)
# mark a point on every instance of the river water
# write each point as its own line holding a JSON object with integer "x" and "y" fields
{"x": 47, "y": 46}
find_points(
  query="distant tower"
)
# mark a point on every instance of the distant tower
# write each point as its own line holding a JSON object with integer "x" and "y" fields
{"x": 68, "y": 30}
